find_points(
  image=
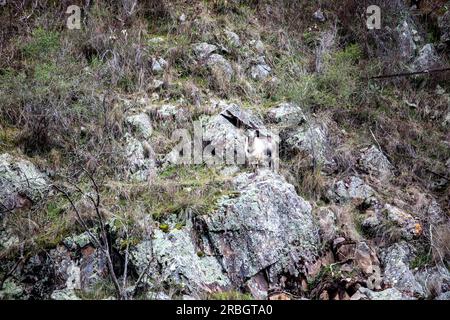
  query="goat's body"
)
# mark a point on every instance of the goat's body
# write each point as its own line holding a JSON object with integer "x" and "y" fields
{"x": 259, "y": 151}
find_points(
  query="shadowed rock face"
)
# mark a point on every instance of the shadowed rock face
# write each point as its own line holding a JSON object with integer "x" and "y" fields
{"x": 267, "y": 228}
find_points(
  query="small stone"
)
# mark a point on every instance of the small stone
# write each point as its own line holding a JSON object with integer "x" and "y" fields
{"x": 260, "y": 71}
{"x": 141, "y": 124}
{"x": 221, "y": 69}
{"x": 158, "y": 65}
{"x": 204, "y": 50}
{"x": 233, "y": 38}
{"x": 287, "y": 114}
{"x": 319, "y": 16}
{"x": 259, "y": 46}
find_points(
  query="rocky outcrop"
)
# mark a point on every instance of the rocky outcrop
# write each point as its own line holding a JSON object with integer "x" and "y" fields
{"x": 428, "y": 283}
{"x": 159, "y": 65}
{"x": 233, "y": 38}
{"x": 11, "y": 291}
{"x": 266, "y": 231}
{"x": 327, "y": 222}
{"x": 179, "y": 264}
{"x": 408, "y": 38}
{"x": 228, "y": 132}
{"x": 435, "y": 281}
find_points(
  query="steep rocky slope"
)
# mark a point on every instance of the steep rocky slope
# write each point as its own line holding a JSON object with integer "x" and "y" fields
{"x": 125, "y": 170}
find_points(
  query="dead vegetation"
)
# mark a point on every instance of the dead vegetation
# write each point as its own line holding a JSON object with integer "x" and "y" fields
{"x": 67, "y": 111}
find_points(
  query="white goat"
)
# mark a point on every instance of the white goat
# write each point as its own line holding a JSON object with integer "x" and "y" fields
{"x": 260, "y": 150}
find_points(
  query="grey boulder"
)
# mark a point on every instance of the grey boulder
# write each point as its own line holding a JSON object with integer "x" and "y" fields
{"x": 267, "y": 228}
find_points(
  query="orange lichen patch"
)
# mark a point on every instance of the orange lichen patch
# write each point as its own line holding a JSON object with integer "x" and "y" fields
{"x": 418, "y": 229}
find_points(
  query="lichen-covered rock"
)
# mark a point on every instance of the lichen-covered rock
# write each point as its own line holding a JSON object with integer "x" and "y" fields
{"x": 78, "y": 241}
{"x": 11, "y": 291}
{"x": 140, "y": 159}
{"x": 366, "y": 258}
{"x": 141, "y": 125}
{"x": 233, "y": 38}
{"x": 180, "y": 263}
{"x": 267, "y": 228}
{"x": 258, "y": 46}
{"x": 371, "y": 223}
{"x": 408, "y": 225}
{"x": 67, "y": 275}
{"x": 396, "y": 261}
{"x": 79, "y": 269}
{"x": 8, "y": 239}
{"x": 66, "y": 270}
{"x": 375, "y": 162}
{"x": 203, "y": 50}
{"x": 407, "y": 38}
{"x": 158, "y": 65}
{"x": 260, "y": 70}
{"x": 351, "y": 188}
{"x": 444, "y": 296}
{"x": 169, "y": 112}
{"x": 227, "y": 130}
{"x": 427, "y": 59}
{"x": 20, "y": 182}
{"x": 434, "y": 280}
{"x": 387, "y": 294}
{"x": 64, "y": 294}
{"x": 319, "y": 16}
{"x": 221, "y": 70}
{"x": 310, "y": 138}
{"x": 287, "y": 114}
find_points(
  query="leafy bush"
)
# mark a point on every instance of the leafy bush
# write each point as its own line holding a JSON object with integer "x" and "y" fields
{"x": 43, "y": 42}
